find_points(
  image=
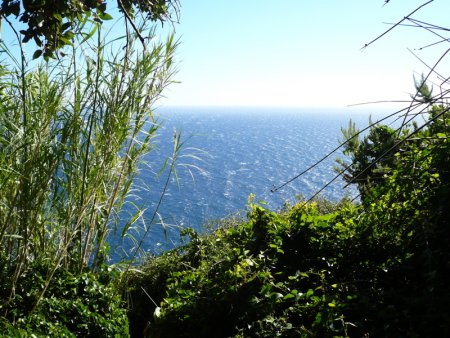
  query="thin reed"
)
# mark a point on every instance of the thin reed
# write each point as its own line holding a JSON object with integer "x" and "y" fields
{"x": 72, "y": 133}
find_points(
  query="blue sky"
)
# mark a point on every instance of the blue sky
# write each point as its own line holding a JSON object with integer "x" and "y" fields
{"x": 299, "y": 53}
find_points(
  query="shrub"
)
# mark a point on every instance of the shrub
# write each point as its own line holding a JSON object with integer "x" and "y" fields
{"x": 263, "y": 278}
{"x": 77, "y": 305}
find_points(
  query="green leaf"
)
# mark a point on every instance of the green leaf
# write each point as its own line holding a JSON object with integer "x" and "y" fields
{"x": 105, "y": 16}
{"x": 66, "y": 26}
{"x": 89, "y": 35}
{"x": 14, "y": 236}
{"x": 15, "y": 8}
{"x": 57, "y": 16}
{"x": 37, "y": 54}
{"x": 276, "y": 295}
{"x": 37, "y": 41}
{"x": 65, "y": 41}
{"x": 322, "y": 224}
{"x": 288, "y": 296}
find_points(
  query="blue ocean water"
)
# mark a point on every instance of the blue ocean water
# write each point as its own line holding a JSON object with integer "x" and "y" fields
{"x": 228, "y": 154}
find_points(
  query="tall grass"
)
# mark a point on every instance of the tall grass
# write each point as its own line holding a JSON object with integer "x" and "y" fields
{"x": 72, "y": 133}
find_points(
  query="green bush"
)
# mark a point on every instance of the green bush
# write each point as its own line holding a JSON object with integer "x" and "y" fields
{"x": 77, "y": 305}
{"x": 243, "y": 280}
{"x": 145, "y": 289}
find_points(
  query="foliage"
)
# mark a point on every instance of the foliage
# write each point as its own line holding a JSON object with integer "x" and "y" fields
{"x": 53, "y": 25}
{"x": 407, "y": 216}
{"x": 72, "y": 135}
{"x": 70, "y": 144}
{"x": 75, "y": 305}
{"x": 371, "y": 158}
{"x": 375, "y": 269}
{"x": 144, "y": 288}
{"x": 321, "y": 203}
{"x": 247, "y": 279}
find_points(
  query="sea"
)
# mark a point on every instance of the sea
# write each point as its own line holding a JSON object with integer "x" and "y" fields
{"x": 228, "y": 155}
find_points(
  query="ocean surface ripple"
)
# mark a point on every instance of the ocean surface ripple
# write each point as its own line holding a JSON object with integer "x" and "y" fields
{"x": 228, "y": 154}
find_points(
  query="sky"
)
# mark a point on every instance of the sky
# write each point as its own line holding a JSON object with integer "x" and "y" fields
{"x": 296, "y": 53}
